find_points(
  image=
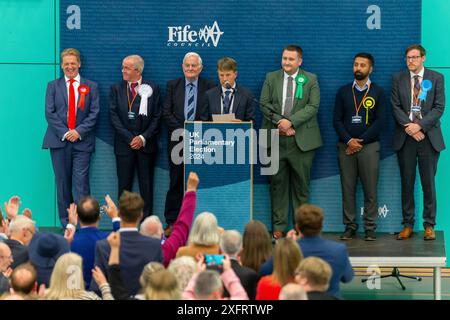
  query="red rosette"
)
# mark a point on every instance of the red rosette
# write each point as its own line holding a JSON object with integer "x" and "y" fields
{"x": 83, "y": 90}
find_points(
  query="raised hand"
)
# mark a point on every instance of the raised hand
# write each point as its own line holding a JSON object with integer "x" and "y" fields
{"x": 73, "y": 215}
{"x": 114, "y": 240}
{"x": 12, "y": 207}
{"x": 192, "y": 182}
{"x": 110, "y": 207}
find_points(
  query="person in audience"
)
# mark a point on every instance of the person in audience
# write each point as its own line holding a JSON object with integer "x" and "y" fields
{"x": 293, "y": 291}
{"x": 256, "y": 245}
{"x": 45, "y": 249}
{"x": 208, "y": 284}
{"x": 22, "y": 230}
{"x": 287, "y": 256}
{"x": 24, "y": 281}
{"x": 67, "y": 283}
{"x": 183, "y": 268}
{"x": 308, "y": 223}
{"x": 231, "y": 244}
{"x": 6, "y": 259}
{"x": 314, "y": 275}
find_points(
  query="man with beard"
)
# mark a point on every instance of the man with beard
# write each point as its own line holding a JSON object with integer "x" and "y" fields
{"x": 357, "y": 119}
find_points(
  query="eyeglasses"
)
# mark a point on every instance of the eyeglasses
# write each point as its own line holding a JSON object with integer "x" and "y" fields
{"x": 412, "y": 58}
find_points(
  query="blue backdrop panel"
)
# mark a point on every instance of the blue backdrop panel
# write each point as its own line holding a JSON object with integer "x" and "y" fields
{"x": 254, "y": 33}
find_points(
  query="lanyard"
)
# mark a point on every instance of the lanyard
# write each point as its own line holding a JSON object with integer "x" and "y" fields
{"x": 357, "y": 108}
{"x": 130, "y": 104}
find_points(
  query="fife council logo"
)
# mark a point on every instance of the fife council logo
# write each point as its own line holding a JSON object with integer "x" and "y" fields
{"x": 184, "y": 36}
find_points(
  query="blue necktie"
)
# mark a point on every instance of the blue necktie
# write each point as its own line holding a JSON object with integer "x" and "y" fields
{"x": 226, "y": 102}
{"x": 190, "y": 111}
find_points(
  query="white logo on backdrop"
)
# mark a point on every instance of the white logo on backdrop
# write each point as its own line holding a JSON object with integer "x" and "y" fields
{"x": 382, "y": 211}
{"x": 184, "y": 36}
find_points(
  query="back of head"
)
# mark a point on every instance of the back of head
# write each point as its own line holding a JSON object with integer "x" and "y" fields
{"x": 316, "y": 272}
{"x": 293, "y": 291}
{"x": 205, "y": 231}
{"x": 256, "y": 245}
{"x": 88, "y": 210}
{"x": 19, "y": 223}
{"x": 152, "y": 227}
{"x": 131, "y": 206}
{"x": 286, "y": 258}
{"x": 309, "y": 220}
{"x": 162, "y": 285}
{"x": 23, "y": 278}
{"x": 183, "y": 268}
{"x": 148, "y": 270}
{"x": 67, "y": 278}
{"x": 231, "y": 242}
{"x": 207, "y": 284}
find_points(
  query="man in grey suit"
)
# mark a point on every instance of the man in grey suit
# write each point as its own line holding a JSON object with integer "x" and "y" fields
{"x": 418, "y": 101}
{"x": 71, "y": 110}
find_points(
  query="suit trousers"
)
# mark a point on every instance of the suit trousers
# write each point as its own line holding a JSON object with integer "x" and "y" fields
{"x": 409, "y": 155}
{"x": 145, "y": 165}
{"x": 175, "y": 193}
{"x": 293, "y": 176}
{"x": 71, "y": 167}
{"x": 365, "y": 165}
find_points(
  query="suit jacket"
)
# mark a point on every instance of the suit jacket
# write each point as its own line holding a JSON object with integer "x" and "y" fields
{"x": 56, "y": 108}
{"x": 304, "y": 112}
{"x": 136, "y": 251}
{"x": 173, "y": 109}
{"x": 243, "y": 103}
{"x": 432, "y": 108}
{"x": 18, "y": 251}
{"x": 249, "y": 278}
{"x": 124, "y": 129}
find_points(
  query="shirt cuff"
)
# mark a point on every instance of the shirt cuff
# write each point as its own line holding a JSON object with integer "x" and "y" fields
{"x": 116, "y": 219}
{"x": 64, "y": 136}
{"x": 71, "y": 226}
{"x": 143, "y": 140}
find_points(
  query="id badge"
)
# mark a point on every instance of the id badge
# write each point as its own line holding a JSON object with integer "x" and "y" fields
{"x": 356, "y": 119}
{"x": 416, "y": 109}
{"x": 131, "y": 115}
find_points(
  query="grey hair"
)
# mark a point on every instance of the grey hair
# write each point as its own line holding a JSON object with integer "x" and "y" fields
{"x": 183, "y": 268}
{"x": 19, "y": 223}
{"x": 206, "y": 283}
{"x": 193, "y": 54}
{"x": 293, "y": 291}
{"x": 151, "y": 220}
{"x": 137, "y": 61}
{"x": 205, "y": 231}
{"x": 231, "y": 242}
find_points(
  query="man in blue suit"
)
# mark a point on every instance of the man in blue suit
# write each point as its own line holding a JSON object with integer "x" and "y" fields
{"x": 135, "y": 116}
{"x": 229, "y": 97}
{"x": 136, "y": 250}
{"x": 308, "y": 223}
{"x": 71, "y": 110}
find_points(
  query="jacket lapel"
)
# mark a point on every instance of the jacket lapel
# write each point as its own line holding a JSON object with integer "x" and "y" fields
{"x": 407, "y": 92}
{"x": 237, "y": 99}
{"x": 279, "y": 87}
{"x": 63, "y": 88}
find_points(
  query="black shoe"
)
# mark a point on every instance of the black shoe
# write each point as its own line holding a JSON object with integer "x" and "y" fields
{"x": 348, "y": 234}
{"x": 370, "y": 235}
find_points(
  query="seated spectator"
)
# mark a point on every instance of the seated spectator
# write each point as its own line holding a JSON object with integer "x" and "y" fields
{"x": 183, "y": 268}
{"x": 24, "y": 281}
{"x": 256, "y": 245}
{"x": 162, "y": 285}
{"x": 136, "y": 250}
{"x": 6, "y": 259}
{"x": 231, "y": 244}
{"x": 287, "y": 256}
{"x": 88, "y": 214}
{"x": 309, "y": 222}
{"x": 45, "y": 249}
{"x": 204, "y": 237}
{"x": 207, "y": 284}
{"x": 314, "y": 275}
{"x": 67, "y": 281}
{"x": 293, "y": 291}
{"x": 152, "y": 226}
{"x": 22, "y": 230}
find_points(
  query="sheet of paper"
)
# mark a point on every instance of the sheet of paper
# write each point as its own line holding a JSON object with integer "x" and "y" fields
{"x": 223, "y": 117}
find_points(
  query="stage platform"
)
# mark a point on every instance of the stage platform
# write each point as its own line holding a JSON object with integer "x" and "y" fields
{"x": 386, "y": 251}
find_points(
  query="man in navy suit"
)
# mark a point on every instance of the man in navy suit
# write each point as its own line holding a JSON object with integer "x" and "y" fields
{"x": 135, "y": 116}
{"x": 136, "y": 250}
{"x": 229, "y": 97}
{"x": 184, "y": 101}
{"x": 71, "y": 110}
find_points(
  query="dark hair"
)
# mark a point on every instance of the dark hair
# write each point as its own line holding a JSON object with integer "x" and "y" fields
{"x": 293, "y": 47}
{"x": 256, "y": 245}
{"x": 227, "y": 64}
{"x": 89, "y": 213}
{"x": 367, "y": 56}
{"x": 416, "y": 47}
{"x": 25, "y": 287}
{"x": 309, "y": 219}
{"x": 131, "y": 206}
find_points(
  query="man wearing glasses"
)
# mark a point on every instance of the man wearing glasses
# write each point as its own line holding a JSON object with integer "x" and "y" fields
{"x": 418, "y": 101}
{"x": 5, "y": 261}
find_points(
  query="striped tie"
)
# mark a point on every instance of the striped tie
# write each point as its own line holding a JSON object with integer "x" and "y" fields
{"x": 190, "y": 111}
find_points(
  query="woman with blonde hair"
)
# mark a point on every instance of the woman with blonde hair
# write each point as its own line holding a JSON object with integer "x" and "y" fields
{"x": 256, "y": 245}
{"x": 183, "y": 268}
{"x": 162, "y": 285}
{"x": 286, "y": 258}
{"x": 66, "y": 281}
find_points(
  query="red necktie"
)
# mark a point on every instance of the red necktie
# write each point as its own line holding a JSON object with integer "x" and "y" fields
{"x": 71, "y": 117}
{"x": 133, "y": 90}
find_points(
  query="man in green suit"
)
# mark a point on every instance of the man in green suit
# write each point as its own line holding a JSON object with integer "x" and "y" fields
{"x": 289, "y": 101}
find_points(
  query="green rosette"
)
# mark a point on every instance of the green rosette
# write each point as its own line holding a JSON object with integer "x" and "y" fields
{"x": 301, "y": 80}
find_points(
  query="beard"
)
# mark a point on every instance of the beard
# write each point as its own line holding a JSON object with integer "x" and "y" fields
{"x": 359, "y": 75}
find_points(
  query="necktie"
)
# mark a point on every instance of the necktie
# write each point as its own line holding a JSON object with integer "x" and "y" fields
{"x": 133, "y": 90}
{"x": 71, "y": 116}
{"x": 226, "y": 102}
{"x": 289, "y": 103}
{"x": 416, "y": 101}
{"x": 190, "y": 111}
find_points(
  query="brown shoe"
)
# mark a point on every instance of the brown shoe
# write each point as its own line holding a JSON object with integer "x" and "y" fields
{"x": 429, "y": 234}
{"x": 405, "y": 233}
{"x": 277, "y": 234}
